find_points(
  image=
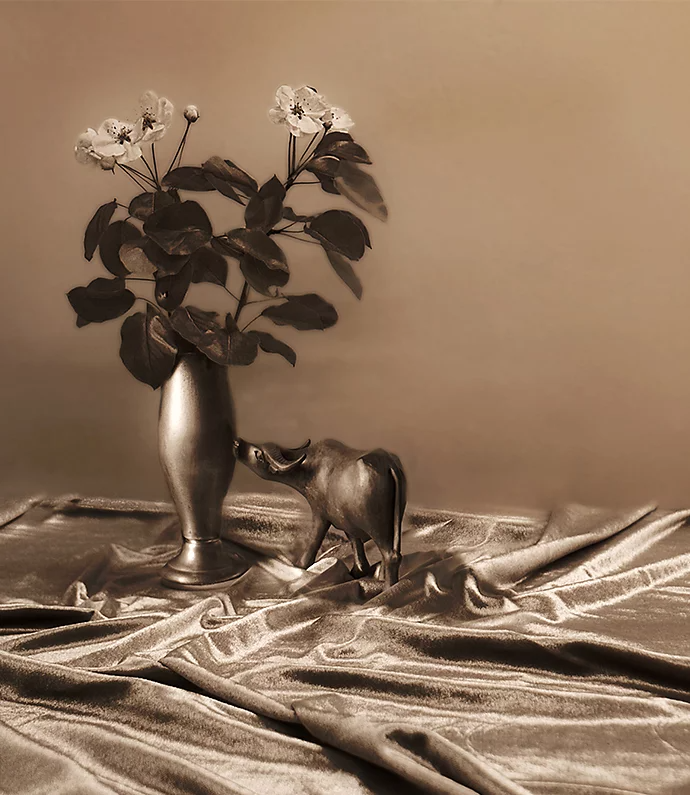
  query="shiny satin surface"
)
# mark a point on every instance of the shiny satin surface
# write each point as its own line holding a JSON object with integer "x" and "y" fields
{"x": 517, "y": 654}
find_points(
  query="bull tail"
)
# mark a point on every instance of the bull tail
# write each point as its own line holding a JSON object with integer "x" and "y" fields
{"x": 400, "y": 501}
{"x": 386, "y": 463}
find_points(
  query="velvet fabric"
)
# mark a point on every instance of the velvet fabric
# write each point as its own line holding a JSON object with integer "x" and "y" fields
{"x": 517, "y": 654}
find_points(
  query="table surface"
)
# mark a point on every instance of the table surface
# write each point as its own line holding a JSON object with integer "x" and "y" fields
{"x": 518, "y": 654}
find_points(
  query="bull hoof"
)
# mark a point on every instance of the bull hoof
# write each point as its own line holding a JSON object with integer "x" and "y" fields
{"x": 358, "y": 573}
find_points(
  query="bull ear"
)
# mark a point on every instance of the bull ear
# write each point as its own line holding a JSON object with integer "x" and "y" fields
{"x": 295, "y": 452}
{"x": 277, "y": 460}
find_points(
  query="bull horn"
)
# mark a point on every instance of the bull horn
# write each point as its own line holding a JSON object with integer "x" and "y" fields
{"x": 278, "y": 462}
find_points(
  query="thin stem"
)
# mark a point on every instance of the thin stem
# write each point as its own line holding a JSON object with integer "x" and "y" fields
{"x": 150, "y": 170}
{"x": 179, "y": 150}
{"x": 139, "y": 174}
{"x": 155, "y": 306}
{"x": 289, "y": 153}
{"x": 132, "y": 177}
{"x": 283, "y": 228}
{"x": 313, "y": 182}
{"x": 155, "y": 165}
{"x": 124, "y": 206}
{"x": 265, "y": 300}
{"x": 303, "y": 161}
{"x": 220, "y": 284}
{"x": 138, "y": 279}
{"x": 294, "y": 236}
{"x": 243, "y": 300}
{"x": 309, "y": 146}
{"x": 245, "y": 327}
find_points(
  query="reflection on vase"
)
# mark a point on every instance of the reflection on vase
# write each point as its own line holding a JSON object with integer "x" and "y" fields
{"x": 196, "y": 430}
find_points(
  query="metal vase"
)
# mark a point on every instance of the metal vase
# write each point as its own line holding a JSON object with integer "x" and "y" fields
{"x": 196, "y": 431}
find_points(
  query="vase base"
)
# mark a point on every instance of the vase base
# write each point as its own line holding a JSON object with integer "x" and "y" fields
{"x": 202, "y": 563}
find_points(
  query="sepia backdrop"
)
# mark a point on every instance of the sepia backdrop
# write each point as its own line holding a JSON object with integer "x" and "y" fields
{"x": 524, "y": 335}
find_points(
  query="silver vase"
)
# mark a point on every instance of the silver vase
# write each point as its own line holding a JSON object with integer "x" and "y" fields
{"x": 196, "y": 430}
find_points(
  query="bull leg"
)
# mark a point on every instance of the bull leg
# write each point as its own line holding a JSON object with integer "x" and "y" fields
{"x": 361, "y": 567}
{"x": 319, "y": 528}
{"x": 390, "y": 566}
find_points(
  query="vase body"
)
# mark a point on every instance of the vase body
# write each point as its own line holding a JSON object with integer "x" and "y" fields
{"x": 196, "y": 430}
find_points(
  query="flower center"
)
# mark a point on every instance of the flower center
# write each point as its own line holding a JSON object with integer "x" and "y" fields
{"x": 297, "y": 110}
{"x": 147, "y": 121}
{"x": 123, "y": 135}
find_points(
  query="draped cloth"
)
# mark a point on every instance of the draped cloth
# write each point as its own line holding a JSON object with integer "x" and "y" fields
{"x": 517, "y": 654}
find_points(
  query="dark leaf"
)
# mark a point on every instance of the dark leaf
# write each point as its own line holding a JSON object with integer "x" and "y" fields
{"x": 81, "y": 322}
{"x": 364, "y": 230}
{"x": 101, "y": 300}
{"x": 361, "y": 189}
{"x": 223, "y": 246}
{"x": 223, "y": 187}
{"x": 202, "y": 330}
{"x": 227, "y": 171}
{"x": 171, "y": 290}
{"x": 166, "y": 264}
{"x": 340, "y": 231}
{"x": 325, "y": 165}
{"x": 134, "y": 257}
{"x": 144, "y": 204}
{"x": 265, "y": 208}
{"x": 209, "y": 266}
{"x": 290, "y": 215}
{"x": 243, "y": 347}
{"x": 343, "y": 268}
{"x": 303, "y": 312}
{"x": 115, "y": 235}
{"x": 258, "y": 244}
{"x": 269, "y": 344}
{"x": 96, "y": 227}
{"x": 179, "y": 229}
{"x": 263, "y": 279}
{"x": 341, "y": 145}
{"x": 187, "y": 178}
{"x": 148, "y": 347}
{"x": 327, "y": 183}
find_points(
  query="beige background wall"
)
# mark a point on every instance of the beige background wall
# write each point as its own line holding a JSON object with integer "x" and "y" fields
{"x": 524, "y": 335}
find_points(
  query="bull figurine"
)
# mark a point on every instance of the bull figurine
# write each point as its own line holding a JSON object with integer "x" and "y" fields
{"x": 361, "y": 493}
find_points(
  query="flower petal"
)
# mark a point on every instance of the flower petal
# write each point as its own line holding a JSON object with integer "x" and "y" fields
{"x": 309, "y": 125}
{"x": 106, "y": 146}
{"x": 277, "y": 115}
{"x": 165, "y": 113}
{"x": 130, "y": 152}
{"x": 148, "y": 103}
{"x": 285, "y": 97}
{"x": 311, "y": 102}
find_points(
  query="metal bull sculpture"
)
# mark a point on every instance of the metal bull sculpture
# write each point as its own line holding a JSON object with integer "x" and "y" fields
{"x": 361, "y": 493}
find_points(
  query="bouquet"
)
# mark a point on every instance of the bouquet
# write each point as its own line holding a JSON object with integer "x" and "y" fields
{"x": 163, "y": 237}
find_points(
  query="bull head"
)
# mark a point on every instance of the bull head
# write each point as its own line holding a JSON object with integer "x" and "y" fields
{"x": 269, "y": 460}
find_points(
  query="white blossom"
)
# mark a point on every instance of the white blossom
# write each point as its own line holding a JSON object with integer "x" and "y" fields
{"x": 86, "y": 155}
{"x": 300, "y": 110}
{"x": 117, "y": 139}
{"x": 337, "y": 120}
{"x": 156, "y": 114}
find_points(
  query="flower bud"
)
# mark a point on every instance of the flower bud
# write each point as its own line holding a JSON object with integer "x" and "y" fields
{"x": 107, "y": 163}
{"x": 191, "y": 113}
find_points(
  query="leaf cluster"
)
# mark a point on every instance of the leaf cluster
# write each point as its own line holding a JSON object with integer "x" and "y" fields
{"x": 168, "y": 239}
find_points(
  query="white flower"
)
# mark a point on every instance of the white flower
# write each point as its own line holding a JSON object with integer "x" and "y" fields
{"x": 118, "y": 140}
{"x": 191, "y": 113}
{"x": 300, "y": 110}
{"x": 156, "y": 116}
{"x": 86, "y": 155}
{"x": 337, "y": 120}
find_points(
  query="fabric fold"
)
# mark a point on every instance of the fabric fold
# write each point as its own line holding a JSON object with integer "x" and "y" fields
{"x": 518, "y": 655}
